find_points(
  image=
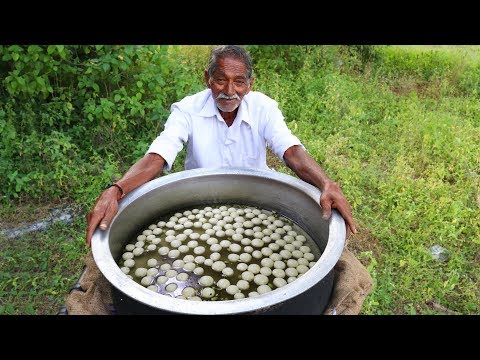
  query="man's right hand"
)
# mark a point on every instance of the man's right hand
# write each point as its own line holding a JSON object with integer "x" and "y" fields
{"x": 103, "y": 212}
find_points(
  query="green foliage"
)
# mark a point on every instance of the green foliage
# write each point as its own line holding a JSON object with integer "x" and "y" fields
{"x": 407, "y": 161}
{"x": 291, "y": 59}
{"x": 63, "y": 106}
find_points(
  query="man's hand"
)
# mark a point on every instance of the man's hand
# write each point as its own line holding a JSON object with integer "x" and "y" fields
{"x": 332, "y": 197}
{"x": 103, "y": 212}
{"x": 145, "y": 169}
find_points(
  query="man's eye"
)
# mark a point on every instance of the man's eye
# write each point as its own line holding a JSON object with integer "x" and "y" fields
{"x": 240, "y": 82}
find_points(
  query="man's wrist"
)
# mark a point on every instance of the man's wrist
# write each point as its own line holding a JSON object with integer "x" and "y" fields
{"x": 119, "y": 188}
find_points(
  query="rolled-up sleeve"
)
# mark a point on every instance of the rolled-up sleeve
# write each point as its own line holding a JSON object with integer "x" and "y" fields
{"x": 277, "y": 135}
{"x": 171, "y": 140}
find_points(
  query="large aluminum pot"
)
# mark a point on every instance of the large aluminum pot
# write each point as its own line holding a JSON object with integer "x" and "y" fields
{"x": 266, "y": 189}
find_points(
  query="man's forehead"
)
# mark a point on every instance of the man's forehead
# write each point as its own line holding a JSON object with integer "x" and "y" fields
{"x": 231, "y": 66}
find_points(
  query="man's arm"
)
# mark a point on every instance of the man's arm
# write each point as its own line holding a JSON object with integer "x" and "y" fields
{"x": 106, "y": 206}
{"x": 332, "y": 196}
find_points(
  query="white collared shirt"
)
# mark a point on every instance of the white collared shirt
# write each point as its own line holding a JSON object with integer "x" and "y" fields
{"x": 212, "y": 144}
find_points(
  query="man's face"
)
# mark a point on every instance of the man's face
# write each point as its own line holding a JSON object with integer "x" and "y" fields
{"x": 229, "y": 84}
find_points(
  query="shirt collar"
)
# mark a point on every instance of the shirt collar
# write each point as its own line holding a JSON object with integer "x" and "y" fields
{"x": 210, "y": 109}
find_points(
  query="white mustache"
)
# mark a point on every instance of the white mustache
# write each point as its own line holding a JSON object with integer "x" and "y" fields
{"x": 223, "y": 96}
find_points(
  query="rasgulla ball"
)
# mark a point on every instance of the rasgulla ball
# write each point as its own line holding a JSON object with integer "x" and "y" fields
{"x": 129, "y": 263}
{"x": 140, "y": 272}
{"x": 206, "y": 280}
{"x": 208, "y": 292}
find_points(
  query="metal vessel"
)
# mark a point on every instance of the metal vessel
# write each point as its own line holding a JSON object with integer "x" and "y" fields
{"x": 271, "y": 190}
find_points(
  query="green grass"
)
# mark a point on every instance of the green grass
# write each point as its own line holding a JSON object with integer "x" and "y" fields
{"x": 400, "y": 133}
{"x": 38, "y": 269}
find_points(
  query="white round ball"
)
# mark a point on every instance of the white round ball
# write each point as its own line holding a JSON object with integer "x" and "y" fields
{"x": 137, "y": 251}
{"x": 275, "y": 257}
{"x": 171, "y": 273}
{"x": 223, "y": 283}
{"x": 212, "y": 241}
{"x": 206, "y": 280}
{"x": 188, "y": 292}
{"x": 247, "y": 275}
{"x": 267, "y": 262}
{"x": 208, "y": 292}
{"x": 292, "y": 263}
{"x": 238, "y": 295}
{"x": 262, "y": 289}
{"x": 171, "y": 287}
{"x": 242, "y": 266}
{"x": 260, "y": 279}
{"x": 165, "y": 267}
{"x": 173, "y": 254}
{"x": 254, "y": 268}
{"x": 309, "y": 256}
{"x": 178, "y": 263}
{"x": 274, "y": 246}
{"x": 227, "y": 271}
{"x": 302, "y": 269}
{"x": 153, "y": 288}
{"x": 127, "y": 255}
{"x": 189, "y": 266}
{"x": 151, "y": 247}
{"x": 257, "y": 254}
{"x": 182, "y": 277}
{"x": 278, "y": 273}
{"x": 199, "y": 250}
{"x": 152, "y": 271}
{"x": 279, "y": 282}
{"x": 232, "y": 289}
{"x": 199, "y": 259}
{"x": 235, "y": 248}
{"x": 248, "y": 249}
{"x": 140, "y": 272}
{"x": 218, "y": 265}
{"x": 198, "y": 271}
{"x": 215, "y": 256}
{"x": 266, "y": 271}
{"x": 204, "y": 237}
{"x": 302, "y": 261}
{"x": 146, "y": 281}
{"x": 245, "y": 257}
{"x": 245, "y": 241}
{"x": 243, "y": 284}
{"x": 291, "y": 272}
{"x": 162, "y": 280}
{"x": 215, "y": 247}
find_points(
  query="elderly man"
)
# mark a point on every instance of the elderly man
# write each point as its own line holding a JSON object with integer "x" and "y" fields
{"x": 224, "y": 125}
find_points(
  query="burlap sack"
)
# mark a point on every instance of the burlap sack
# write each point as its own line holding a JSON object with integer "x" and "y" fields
{"x": 93, "y": 296}
{"x": 352, "y": 284}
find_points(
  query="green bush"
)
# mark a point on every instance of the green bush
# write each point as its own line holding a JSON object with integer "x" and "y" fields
{"x": 62, "y": 107}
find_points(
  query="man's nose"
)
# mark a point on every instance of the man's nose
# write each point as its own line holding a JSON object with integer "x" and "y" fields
{"x": 230, "y": 90}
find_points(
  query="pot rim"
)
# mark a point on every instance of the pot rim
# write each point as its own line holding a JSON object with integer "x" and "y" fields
{"x": 103, "y": 257}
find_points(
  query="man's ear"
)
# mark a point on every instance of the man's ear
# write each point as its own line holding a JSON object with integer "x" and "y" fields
{"x": 252, "y": 80}
{"x": 207, "y": 79}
